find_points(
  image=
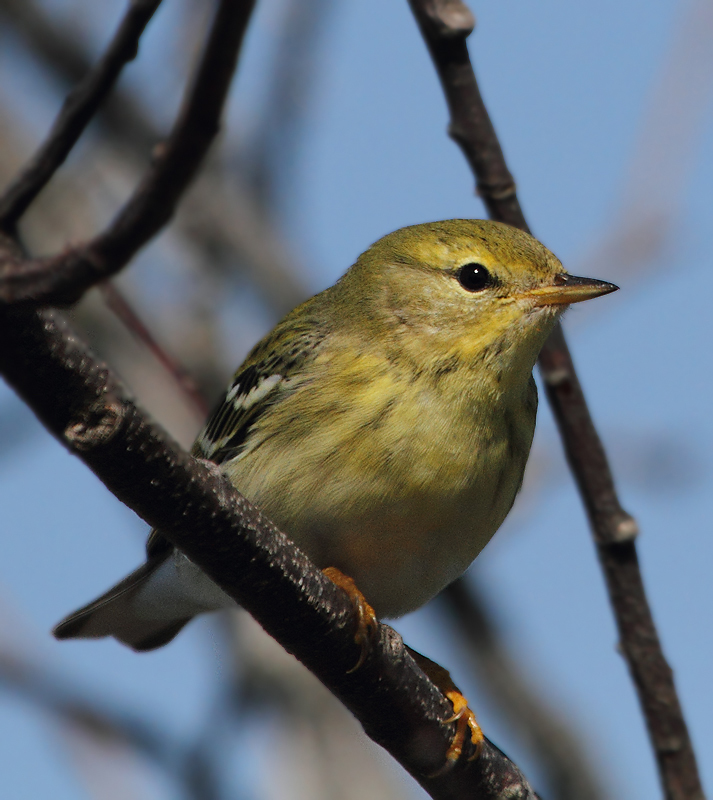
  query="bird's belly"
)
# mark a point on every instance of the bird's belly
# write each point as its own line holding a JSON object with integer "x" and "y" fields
{"x": 402, "y": 508}
{"x": 402, "y": 552}
{"x": 398, "y": 562}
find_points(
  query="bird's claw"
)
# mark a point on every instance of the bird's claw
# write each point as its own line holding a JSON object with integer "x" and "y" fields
{"x": 465, "y": 718}
{"x": 367, "y": 625}
{"x": 462, "y": 715}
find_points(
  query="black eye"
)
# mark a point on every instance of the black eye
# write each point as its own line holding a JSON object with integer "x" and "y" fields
{"x": 474, "y": 277}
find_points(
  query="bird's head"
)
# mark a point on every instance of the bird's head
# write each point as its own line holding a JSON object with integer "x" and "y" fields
{"x": 466, "y": 289}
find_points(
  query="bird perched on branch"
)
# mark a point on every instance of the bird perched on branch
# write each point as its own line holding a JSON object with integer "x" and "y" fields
{"x": 384, "y": 425}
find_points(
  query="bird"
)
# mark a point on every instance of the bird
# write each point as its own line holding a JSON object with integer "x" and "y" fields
{"x": 384, "y": 425}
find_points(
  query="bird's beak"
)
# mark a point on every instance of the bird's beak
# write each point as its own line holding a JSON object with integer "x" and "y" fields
{"x": 568, "y": 289}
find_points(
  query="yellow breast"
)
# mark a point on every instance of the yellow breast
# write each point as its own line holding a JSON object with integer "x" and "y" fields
{"x": 402, "y": 481}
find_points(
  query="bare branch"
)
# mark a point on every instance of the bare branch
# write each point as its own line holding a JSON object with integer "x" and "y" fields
{"x": 198, "y": 510}
{"x": 120, "y": 306}
{"x": 57, "y": 47}
{"x": 445, "y": 25}
{"x": 614, "y": 532}
{"x": 76, "y": 113}
{"x": 219, "y": 215}
{"x": 62, "y": 279}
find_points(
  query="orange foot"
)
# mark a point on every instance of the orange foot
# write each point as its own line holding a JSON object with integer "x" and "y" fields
{"x": 368, "y": 625}
{"x": 462, "y": 715}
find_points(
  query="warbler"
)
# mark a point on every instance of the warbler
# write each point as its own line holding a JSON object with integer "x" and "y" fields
{"x": 384, "y": 425}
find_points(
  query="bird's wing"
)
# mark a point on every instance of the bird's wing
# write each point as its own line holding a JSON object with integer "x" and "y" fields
{"x": 269, "y": 372}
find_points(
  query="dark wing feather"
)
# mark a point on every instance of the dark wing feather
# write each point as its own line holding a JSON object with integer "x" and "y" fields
{"x": 265, "y": 376}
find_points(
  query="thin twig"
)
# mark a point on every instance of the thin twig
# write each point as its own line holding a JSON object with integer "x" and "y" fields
{"x": 60, "y": 49}
{"x": 445, "y": 25}
{"x": 219, "y": 216}
{"x": 76, "y": 113}
{"x": 198, "y": 510}
{"x": 120, "y": 306}
{"x": 63, "y": 278}
{"x": 614, "y": 531}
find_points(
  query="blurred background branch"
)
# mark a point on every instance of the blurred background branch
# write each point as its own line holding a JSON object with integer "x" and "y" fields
{"x": 107, "y": 744}
{"x": 77, "y": 111}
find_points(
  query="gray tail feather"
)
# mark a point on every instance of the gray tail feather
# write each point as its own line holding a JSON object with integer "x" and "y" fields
{"x": 112, "y": 614}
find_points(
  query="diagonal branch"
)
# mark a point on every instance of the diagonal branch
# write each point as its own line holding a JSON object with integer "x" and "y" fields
{"x": 62, "y": 279}
{"x": 614, "y": 532}
{"x": 120, "y": 306}
{"x": 198, "y": 510}
{"x": 220, "y": 217}
{"x": 54, "y": 44}
{"x": 76, "y": 113}
{"x": 445, "y": 25}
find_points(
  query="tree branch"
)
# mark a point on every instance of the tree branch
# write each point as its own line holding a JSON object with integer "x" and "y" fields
{"x": 120, "y": 306}
{"x": 445, "y": 25}
{"x": 54, "y": 44}
{"x": 63, "y": 278}
{"x": 614, "y": 532}
{"x": 198, "y": 510}
{"x": 220, "y": 216}
{"x": 76, "y": 113}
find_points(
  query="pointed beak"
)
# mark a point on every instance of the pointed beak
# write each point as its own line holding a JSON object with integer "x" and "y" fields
{"x": 568, "y": 289}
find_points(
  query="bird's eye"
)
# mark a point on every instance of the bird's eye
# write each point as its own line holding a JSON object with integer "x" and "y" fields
{"x": 474, "y": 277}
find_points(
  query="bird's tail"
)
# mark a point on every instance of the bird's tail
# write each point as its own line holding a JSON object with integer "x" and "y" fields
{"x": 131, "y": 612}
